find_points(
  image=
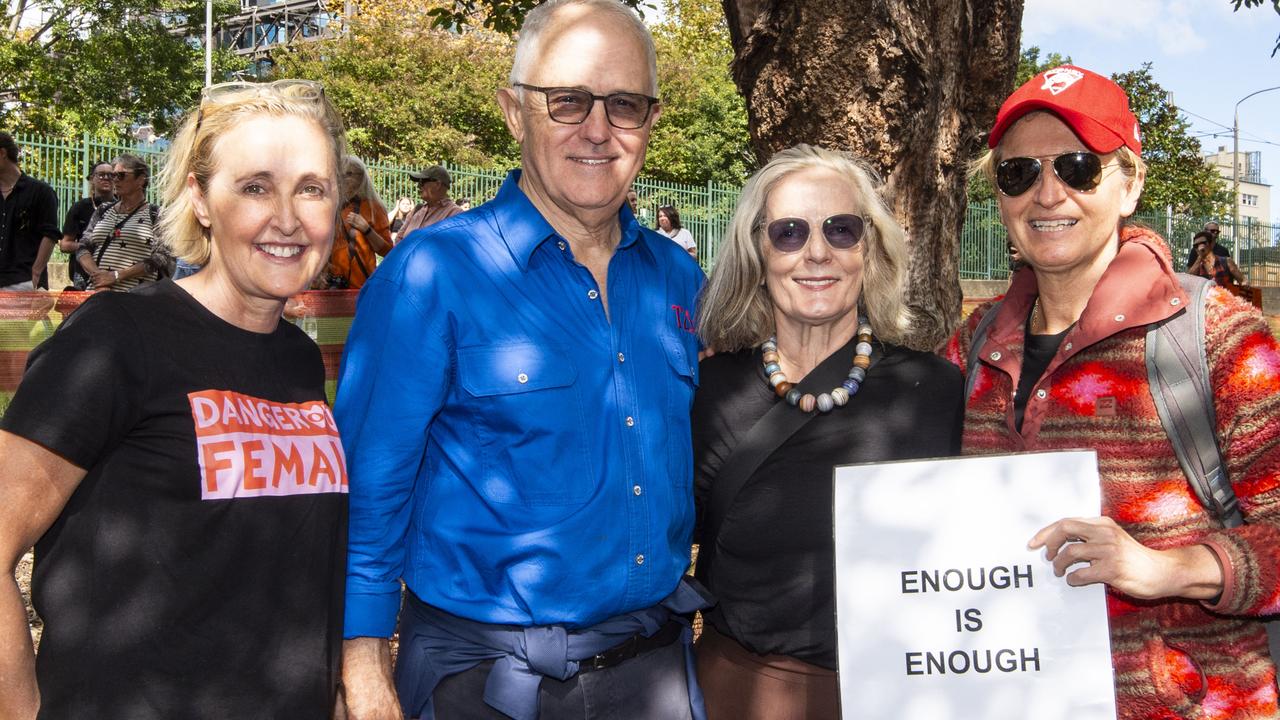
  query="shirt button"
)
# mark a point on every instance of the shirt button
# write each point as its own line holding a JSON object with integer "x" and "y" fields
{"x": 1120, "y": 318}
{"x": 995, "y": 356}
{"x": 622, "y": 358}
{"x": 1175, "y": 301}
{"x": 631, "y": 422}
{"x": 1041, "y": 394}
{"x": 561, "y": 245}
{"x": 636, "y": 490}
{"x": 593, "y": 294}
{"x": 1068, "y": 346}
{"x": 640, "y": 559}
{"x": 522, "y": 378}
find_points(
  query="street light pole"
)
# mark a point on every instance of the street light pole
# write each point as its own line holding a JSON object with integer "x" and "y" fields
{"x": 208, "y": 43}
{"x": 1235, "y": 172}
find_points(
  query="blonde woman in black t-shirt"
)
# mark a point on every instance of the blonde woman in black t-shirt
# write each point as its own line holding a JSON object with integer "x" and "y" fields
{"x": 186, "y": 493}
{"x": 805, "y": 310}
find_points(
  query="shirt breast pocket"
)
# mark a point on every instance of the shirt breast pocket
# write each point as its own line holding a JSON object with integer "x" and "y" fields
{"x": 529, "y": 412}
{"x": 680, "y": 389}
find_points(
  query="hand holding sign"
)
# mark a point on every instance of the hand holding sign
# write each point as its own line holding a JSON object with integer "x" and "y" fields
{"x": 1111, "y": 556}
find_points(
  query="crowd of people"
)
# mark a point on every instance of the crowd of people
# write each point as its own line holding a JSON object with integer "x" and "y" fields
{"x": 543, "y": 404}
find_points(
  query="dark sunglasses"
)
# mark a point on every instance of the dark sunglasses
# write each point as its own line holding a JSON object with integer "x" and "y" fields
{"x": 791, "y": 234}
{"x": 122, "y": 174}
{"x": 571, "y": 106}
{"x": 104, "y": 176}
{"x": 425, "y": 181}
{"x": 1214, "y": 231}
{"x": 1079, "y": 170}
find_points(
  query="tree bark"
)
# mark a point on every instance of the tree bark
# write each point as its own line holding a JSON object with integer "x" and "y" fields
{"x": 911, "y": 87}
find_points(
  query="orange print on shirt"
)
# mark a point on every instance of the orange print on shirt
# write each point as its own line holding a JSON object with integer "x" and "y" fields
{"x": 249, "y": 447}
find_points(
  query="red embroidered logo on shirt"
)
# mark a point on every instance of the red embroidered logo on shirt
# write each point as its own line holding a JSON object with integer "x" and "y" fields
{"x": 1104, "y": 406}
{"x": 684, "y": 319}
{"x": 248, "y": 447}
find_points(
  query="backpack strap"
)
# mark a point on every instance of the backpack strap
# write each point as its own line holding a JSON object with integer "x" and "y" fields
{"x": 1178, "y": 374}
{"x": 976, "y": 342}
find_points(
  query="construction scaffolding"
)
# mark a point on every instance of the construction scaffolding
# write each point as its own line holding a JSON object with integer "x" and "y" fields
{"x": 264, "y": 25}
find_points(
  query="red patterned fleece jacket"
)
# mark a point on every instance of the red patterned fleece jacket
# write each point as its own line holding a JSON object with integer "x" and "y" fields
{"x": 1173, "y": 658}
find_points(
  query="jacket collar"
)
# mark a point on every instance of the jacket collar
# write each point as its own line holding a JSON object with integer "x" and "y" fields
{"x": 1139, "y": 287}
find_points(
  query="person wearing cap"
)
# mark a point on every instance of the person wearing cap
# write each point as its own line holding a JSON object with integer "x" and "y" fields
{"x": 1063, "y": 366}
{"x": 433, "y": 188}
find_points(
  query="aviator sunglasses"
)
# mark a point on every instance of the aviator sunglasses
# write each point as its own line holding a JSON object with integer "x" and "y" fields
{"x": 791, "y": 234}
{"x": 1078, "y": 170}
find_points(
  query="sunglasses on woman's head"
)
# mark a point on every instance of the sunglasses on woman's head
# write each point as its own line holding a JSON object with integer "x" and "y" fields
{"x": 1078, "y": 170}
{"x": 791, "y": 234}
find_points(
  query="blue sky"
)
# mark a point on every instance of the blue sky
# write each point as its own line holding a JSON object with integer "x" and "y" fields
{"x": 1207, "y": 56}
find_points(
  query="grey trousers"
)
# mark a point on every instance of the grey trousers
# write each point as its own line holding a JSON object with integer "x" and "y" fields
{"x": 652, "y": 686}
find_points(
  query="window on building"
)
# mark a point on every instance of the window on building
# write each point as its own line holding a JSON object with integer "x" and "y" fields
{"x": 1249, "y": 200}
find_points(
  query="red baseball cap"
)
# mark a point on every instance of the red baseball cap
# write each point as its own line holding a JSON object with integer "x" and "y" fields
{"x": 1094, "y": 107}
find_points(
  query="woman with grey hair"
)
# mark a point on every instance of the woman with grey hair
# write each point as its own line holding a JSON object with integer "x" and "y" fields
{"x": 805, "y": 308}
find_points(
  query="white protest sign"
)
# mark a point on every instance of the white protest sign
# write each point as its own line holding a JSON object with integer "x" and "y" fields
{"x": 941, "y": 610}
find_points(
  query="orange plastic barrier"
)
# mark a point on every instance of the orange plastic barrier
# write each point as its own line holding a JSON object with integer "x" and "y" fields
{"x": 29, "y": 318}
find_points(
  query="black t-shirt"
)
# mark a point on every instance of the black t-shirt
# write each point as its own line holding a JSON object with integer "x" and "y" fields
{"x": 198, "y": 569}
{"x": 27, "y": 216}
{"x": 77, "y": 220}
{"x": 774, "y": 571}
{"x": 1038, "y": 351}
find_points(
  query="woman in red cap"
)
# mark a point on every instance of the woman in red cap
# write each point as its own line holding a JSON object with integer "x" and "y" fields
{"x": 1062, "y": 364}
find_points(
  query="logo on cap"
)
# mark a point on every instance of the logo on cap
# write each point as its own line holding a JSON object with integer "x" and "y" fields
{"x": 1059, "y": 79}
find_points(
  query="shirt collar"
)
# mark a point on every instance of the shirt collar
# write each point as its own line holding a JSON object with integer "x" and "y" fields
{"x": 523, "y": 228}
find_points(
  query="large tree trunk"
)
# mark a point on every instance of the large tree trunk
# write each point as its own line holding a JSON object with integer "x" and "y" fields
{"x": 912, "y": 87}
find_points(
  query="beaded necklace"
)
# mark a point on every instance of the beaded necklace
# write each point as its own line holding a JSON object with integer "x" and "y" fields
{"x": 824, "y": 402}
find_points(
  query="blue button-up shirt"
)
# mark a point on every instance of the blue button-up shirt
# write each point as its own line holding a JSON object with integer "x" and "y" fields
{"x": 516, "y": 455}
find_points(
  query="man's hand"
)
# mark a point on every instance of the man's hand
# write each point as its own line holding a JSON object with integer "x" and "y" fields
{"x": 104, "y": 278}
{"x": 366, "y": 680}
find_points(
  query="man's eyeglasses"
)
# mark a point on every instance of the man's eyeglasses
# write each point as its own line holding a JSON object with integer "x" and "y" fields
{"x": 571, "y": 106}
{"x": 842, "y": 232}
{"x": 104, "y": 176}
{"x": 1079, "y": 170}
{"x": 240, "y": 90}
{"x": 121, "y": 174}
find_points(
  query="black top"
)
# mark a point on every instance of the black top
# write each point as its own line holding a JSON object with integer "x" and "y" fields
{"x": 1037, "y": 351}
{"x": 28, "y": 215}
{"x": 77, "y": 220}
{"x": 198, "y": 569}
{"x": 1217, "y": 250}
{"x": 774, "y": 568}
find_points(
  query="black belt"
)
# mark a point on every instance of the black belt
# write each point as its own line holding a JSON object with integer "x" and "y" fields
{"x": 631, "y": 647}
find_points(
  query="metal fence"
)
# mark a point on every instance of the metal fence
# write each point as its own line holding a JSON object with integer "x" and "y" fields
{"x": 704, "y": 209}
{"x": 984, "y": 251}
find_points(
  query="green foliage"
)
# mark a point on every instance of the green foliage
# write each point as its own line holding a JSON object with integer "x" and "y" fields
{"x": 410, "y": 93}
{"x": 414, "y": 94}
{"x": 503, "y": 16}
{"x": 102, "y": 66}
{"x": 1177, "y": 175}
{"x": 702, "y": 134}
